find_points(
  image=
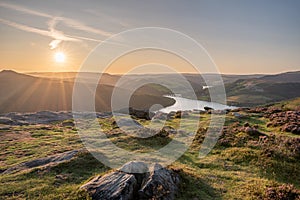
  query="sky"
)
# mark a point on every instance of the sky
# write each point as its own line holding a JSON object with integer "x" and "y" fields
{"x": 241, "y": 37}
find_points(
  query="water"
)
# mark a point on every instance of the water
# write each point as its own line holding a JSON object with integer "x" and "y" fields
{"x": 190, "y": 104}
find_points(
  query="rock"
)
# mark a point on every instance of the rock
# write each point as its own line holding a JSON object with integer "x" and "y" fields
{"x": 256, "y": 126}
{"x": 141, "y": 114}
{"x": 114, "y": 186}
{"x": 4, "y": 127}
{"x": 238, "y": 115}
{"x": 217, "y": 112}
{"x": 197, "y": 111}
{"x": 103, "y": 115}
{"x": 127, "y": 122}
{"x": 138, "y": 169}
{"x": 296, "y": 130}
{"x": 10, "y": 121}
{"x": 227, "y": 111}
{"x": 68, "y": 123}
{"x": 43, "y": 162}
{"x": 180, "y": 114}
{"x": 134, "y": 167}
{"x": 160, "y": 115}
{"x": 21, "y": 123}
{"x": 206, "y": 108}
{"x": 6, "y": 120}
{"x": 246, "y": 124}
{"x": 253, "y": 131}
{"x": 15, "y": 116}
{"x": 47, "y": 117}
{"x": 160, "y": 184}
{"x": 163, "y": 133}
{"x": 133, "y": 181}
{"x": 171, "y": 115}
{"x": 169, "y": 129}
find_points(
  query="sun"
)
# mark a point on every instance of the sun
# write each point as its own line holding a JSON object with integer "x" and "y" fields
{"x": 59, "y": 57}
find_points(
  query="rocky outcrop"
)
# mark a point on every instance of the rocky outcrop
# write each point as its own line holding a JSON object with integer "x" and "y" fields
{"x": 133, "y": 181}
{"x": 43, "y": 162}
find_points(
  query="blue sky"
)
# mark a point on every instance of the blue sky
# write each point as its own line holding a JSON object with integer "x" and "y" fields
{"x": 241, "y": 36}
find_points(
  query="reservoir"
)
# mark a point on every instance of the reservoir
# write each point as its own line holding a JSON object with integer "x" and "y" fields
{"x": 190, "y": 104}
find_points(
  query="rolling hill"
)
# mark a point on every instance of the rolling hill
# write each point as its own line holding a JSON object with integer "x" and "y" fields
{"x": 25, "y": 93}
{"x": 53, "y": 90}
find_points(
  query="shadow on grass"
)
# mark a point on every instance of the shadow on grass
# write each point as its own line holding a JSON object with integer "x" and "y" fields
{"x": 195, "y": 188}
{"x": 280, "y": 171}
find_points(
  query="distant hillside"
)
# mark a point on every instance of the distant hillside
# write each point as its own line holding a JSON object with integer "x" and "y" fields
{"x": 53, "y": 91}
{"x": 266, "y": 89}
{"x": 287, "y": 77}
{"x": 25, "y": 93}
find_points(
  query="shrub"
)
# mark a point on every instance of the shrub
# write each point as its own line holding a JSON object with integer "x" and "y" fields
{"x": 282, "y": 192}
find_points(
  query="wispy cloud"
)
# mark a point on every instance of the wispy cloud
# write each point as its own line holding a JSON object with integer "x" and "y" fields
{"x": 24, "y": 10}
{"x": 57, "y": 36}
{"x": 80, "y": 26}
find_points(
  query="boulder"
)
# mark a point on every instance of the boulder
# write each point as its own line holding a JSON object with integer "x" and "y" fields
{"x": 134, "y": 181}
{"x": 160, "y": 184}
{"x": 114, "y": 186}
{"x": 134, "y": 167}
{"x": 138, "y": 169}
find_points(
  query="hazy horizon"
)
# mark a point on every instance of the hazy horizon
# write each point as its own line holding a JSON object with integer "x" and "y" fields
{"x": 37, "y": 72}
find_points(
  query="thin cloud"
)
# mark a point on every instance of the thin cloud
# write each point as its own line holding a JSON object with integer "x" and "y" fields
{"x": 58, "y": 36}
{"x": 25, "y": 10}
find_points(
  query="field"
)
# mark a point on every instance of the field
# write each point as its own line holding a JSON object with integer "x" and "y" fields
{"x": 260, "y": 164}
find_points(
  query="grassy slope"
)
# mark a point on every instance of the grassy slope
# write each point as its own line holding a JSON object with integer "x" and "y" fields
{"x": 239, "y": 167}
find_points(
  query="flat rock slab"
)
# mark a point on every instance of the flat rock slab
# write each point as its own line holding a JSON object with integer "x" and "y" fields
{"x": 113, "y": 186}
{"x": 43, "y": 162}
